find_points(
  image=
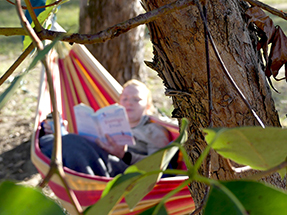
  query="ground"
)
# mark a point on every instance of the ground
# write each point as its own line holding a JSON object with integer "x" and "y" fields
{"x": 17, "y": 121}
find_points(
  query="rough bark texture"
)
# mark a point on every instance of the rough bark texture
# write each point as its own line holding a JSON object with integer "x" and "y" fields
{"x": 123, "y": 56}
{"x": 179, "y": 58}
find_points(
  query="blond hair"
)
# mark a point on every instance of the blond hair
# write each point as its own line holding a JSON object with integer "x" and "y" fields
{"x": 137, "y": 83}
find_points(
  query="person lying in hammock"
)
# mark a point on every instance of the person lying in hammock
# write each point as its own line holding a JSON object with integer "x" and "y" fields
{"x": 83, "y": 155}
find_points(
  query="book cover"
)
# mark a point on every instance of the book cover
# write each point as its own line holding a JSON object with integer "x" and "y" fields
{"x": 111, "y": 120}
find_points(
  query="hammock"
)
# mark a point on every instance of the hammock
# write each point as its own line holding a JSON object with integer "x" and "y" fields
{"x": 79, "y": 77}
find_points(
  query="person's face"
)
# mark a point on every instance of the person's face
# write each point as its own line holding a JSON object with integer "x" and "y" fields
{"x": 134, "y": 99}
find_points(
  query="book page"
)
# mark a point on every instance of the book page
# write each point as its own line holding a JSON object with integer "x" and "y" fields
{"x": 113, "y": 120}
{"x": 86, "y": 125}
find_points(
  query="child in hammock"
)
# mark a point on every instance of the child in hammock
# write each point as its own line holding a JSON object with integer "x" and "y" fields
{"x": 85, "y": 156}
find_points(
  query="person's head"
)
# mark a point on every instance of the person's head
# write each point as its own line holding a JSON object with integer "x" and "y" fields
{"x": 137, "y": 100}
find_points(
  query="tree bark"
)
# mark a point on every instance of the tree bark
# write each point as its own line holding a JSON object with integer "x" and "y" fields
{"x": 123, "y": 56}
{"x": 180, "y": 59}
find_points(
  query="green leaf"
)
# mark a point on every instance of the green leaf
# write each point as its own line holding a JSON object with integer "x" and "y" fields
{"x": 21, "y": 200}
{"x": 256, "y": 197}
{"x": 259, "y": 148}
{"x": 115, "y": 191}
{"x": 157, "y": 161}
{"x": 6, "y": 95}
{"x": 133, "y": 184}
{"x": 161, "y": 211}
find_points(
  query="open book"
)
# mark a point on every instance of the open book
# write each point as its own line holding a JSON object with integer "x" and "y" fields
{"x": 111, "y": 120}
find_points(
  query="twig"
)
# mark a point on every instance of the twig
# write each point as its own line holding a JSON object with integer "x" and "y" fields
{"x": 268, "y": 8}
{"x": 210, "y": 123}
{"x": 267, "y": 172}
{"x": 56, "y": 160}
{"x": 12, "y": 31}
{"x": 173, "y": 92}
{"x": 117, "y": 29}
{"x": 226, "y": 72}
{"x": 38, "y": 26}
{"x": 39, "y": 7}
{"x": 20, "y": 59}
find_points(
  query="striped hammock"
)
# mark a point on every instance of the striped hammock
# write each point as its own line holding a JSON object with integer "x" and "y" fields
{"x": 79, "y": 78}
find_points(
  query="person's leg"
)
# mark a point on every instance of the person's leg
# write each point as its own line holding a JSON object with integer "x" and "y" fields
{"x": 84, "y": 156}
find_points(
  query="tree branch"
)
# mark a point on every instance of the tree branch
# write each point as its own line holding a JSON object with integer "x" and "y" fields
{"x": 56, "y": 160}
{"x": 268, "y": 8}
{"x": 115, "y": 30}
{"x": 13, "y": 31}
{"x": 39, "y": 7}
{"x": 38, "y": 26}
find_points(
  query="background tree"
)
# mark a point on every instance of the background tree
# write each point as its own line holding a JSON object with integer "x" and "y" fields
{"x": 179, "y": 48}
{"x": 123, "y": 56}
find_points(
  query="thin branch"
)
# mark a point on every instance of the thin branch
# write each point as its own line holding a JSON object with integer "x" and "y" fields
{"x": 38, "y": 26}
{"x": 20, "y": 59}
{"x": 57, "y": 165}
{"x": 39, "y": 7}
{"x": 13, "y": 31}
{"x": 268, "y": 8}
{"x": 209, "y": 84}
{"x": 117, "y": 29}
{"x": 262, "y": 174}
{"x": 29, "y": 30}
{"x": 226, "y": 72}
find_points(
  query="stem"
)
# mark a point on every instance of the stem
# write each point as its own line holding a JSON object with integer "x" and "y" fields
{"x": 226, "y": 72}
{"x": 170, "y": 194}
{"x": 224, "y": 189}
{"x": 20, "y": 59}
{"x": 56, "y": 160}
{"x": 208, "y": 70}
{"x": 268, "y": 172}
{"x": 38, "y": 26}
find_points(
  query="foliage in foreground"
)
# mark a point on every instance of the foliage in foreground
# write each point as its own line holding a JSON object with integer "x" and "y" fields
{"x": 245, "y": 145}
{"x": 261, "y": 149}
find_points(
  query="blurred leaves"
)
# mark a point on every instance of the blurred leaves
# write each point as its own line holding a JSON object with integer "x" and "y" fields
{"x": 257, "y": 147}
{"x": 20, "y": 200}
{"x": 139, "y": 179}
{"x": 256, "y": 198}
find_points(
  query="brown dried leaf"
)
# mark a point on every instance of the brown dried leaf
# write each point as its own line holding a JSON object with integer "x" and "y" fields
{"x": 265, "y": 25}
{"x": 270, "y": 34}
{"x": 278, "y": 53}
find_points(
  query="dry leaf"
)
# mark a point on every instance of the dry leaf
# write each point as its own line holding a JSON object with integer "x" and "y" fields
{"x": 268, "y": 33}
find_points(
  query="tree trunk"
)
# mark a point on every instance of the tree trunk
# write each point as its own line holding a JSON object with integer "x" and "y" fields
{"x": 180, "y": 59}
{"x": 123, "y": 56}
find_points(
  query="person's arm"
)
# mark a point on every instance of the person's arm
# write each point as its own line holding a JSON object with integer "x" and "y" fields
{"x": 112, "y": 147}
{"x": 156, "y": 137}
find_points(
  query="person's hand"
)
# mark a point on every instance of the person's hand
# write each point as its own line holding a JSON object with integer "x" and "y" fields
{"x": 47, "y": 128}
{"x": 112, "y": 147}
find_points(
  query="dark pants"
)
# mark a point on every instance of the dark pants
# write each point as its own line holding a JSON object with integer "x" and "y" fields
{"x": 83, "y": 155}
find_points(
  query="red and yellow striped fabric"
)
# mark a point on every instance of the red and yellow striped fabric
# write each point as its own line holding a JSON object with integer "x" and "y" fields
{"x": 79, "y": 77}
